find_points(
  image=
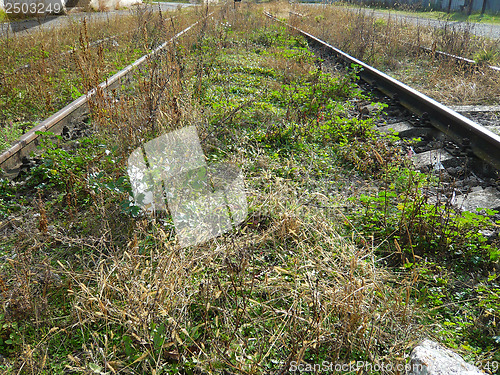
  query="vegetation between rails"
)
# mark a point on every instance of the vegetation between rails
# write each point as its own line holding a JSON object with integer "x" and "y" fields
{"x": 316, "y": 272}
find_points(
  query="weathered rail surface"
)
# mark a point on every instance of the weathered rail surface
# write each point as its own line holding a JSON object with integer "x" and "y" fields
{"x": 458, "y": 59}
{"x": 484, "y": 143}
{"x": 12, "y": 158}
{"x": 438, "y": 54}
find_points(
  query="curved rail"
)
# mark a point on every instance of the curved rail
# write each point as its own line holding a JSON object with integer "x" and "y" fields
{"x": 484, "y": 143}
{"x": 11, "y": 159}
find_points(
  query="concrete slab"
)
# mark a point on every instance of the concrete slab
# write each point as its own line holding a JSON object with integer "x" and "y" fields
{"x": 430, "y": 358}
{"x": 437, "y": 159}
{"x": 406, "y": 130}
{"x": 479, "y": 198}
{"x": 398, "y": 127}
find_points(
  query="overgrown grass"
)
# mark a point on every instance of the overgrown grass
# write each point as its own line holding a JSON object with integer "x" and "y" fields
{"x": 393, "y": 46}
{"x": 487, "y": 18}
{"x": 42, "y": 73}
{"x": 93, "y": 285}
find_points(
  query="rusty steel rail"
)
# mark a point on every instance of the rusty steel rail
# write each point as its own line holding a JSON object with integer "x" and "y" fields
{"x": 450, "y": 56}
{"x": 11, "y": 159}
{"x": 484, "y": 143}
{"x": 437, "y": 53}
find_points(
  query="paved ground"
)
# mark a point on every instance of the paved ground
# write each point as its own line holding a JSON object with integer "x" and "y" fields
{"x": 50, "y": 22}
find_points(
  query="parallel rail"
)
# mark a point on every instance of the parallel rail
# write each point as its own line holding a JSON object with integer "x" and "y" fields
{"x": 62, "y": 55}
{"x": 457, "y": 58}
{"x": 68, "y": 53}
{"x": 436, "y": 53}
{"x": 484, "y": 143}
{"x": 11, "y": 159}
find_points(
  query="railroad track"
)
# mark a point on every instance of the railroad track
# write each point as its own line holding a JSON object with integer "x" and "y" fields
{"x": 459, "y": 59}
{"x": 13, "y": 159}
{"x": 112, "y": 40}
{"x": 51, "y": 21}
{"x": 452, "y": 143}
{"x": 449, "y": 138}
{"x": 63, "y": 55}
{"x": 436, "y": 53}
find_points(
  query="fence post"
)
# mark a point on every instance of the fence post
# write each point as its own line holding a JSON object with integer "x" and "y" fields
{"x": 483, "y": 9}
{"x": 469, "y": 10}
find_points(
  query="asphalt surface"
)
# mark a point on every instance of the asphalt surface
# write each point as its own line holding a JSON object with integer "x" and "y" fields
{"x": 52, "y": 21}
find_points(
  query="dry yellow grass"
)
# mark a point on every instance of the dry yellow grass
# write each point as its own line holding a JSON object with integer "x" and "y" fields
{"x": 392, "y": 46}
{"x": 282, "y": 287}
